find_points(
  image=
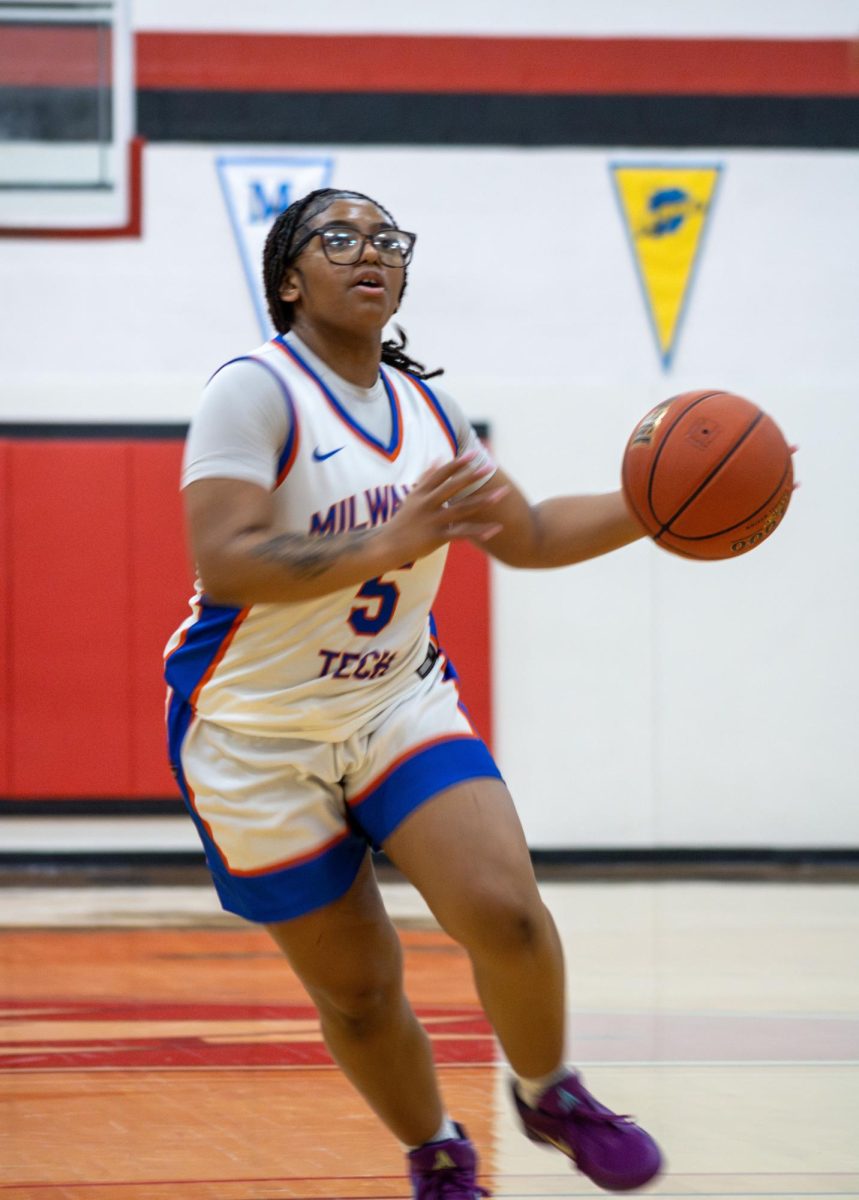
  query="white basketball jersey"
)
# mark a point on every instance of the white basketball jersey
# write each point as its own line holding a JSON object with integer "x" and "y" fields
{"x": 322, "y": 668}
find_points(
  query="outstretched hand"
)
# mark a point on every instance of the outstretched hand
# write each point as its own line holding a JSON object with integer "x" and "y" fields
{"x": 432, "y": 515}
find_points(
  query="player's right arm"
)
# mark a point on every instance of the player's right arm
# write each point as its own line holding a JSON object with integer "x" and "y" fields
{"x": 242, "y": 556}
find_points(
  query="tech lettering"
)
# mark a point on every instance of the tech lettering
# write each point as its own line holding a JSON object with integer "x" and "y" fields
{"x": 340, "y": 664}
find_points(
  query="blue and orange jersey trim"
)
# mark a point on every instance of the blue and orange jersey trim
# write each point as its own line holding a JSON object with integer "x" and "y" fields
{"x": 193, "y": 661}
{"x": 237, "y": 619}
{"x": 389, "y": 451}
{"x": 288, "y": 454}
{"x": 436, "y": 409}
{"x": 206, "y": 639}
{"x": 290, "y": 450}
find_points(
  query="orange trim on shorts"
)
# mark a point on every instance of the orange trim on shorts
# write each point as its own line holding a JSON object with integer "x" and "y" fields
{"x": 193, "y": 800}
{"x": 296, "y": 861}
{"x": 288, "y": 862}
{"x": 437, "y": 741}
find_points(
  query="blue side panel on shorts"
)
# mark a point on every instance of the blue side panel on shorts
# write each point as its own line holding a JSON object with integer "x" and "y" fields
{"x": 270, "y": 896}
{"x": 189, "y": 662}
{"x": 179, "y": 717}
{"x": 423, "y": 775}
{"x": 292, "y": 891}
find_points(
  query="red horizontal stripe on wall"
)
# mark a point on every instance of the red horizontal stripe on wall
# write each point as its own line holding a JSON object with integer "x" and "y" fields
{"x": 548, "y": 66}
{"x": 54, "y": 56}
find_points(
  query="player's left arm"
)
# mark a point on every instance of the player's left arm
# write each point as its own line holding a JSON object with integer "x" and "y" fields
{"x": 553, "y": 533}
{"x": 559, "y": 531}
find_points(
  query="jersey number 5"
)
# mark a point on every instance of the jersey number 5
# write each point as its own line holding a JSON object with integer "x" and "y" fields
{"x": 386, "y": 595}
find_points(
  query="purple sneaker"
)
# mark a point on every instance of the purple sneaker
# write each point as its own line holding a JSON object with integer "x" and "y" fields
{"x": 610, "y": 1149}
{"x": 445, "y": 1170}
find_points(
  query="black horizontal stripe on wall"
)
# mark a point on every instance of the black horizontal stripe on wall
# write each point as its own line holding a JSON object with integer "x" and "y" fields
{"x": 85, "y": 430}
{"x": 157, "y": 806}
{"x": 55, "y": 114}
{"x": 117, "y": 431}
{"x": 826, "y": 122}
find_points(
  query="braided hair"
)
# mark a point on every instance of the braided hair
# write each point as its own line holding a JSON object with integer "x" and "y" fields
{"x": 277, "y": 258}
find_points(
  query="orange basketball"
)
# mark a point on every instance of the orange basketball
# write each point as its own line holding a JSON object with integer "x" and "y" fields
{"x": 708, "y": 475}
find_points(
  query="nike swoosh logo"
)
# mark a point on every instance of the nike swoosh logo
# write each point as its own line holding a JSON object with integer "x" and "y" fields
{"x": 318, "y": 456}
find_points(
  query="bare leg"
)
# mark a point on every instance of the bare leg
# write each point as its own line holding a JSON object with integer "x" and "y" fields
{"x": 348, "y": 957}
{"x": 465, "y": 850}
{"x": 466, "y": 853}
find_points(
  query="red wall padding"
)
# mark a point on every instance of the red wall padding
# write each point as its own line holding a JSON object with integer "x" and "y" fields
{"x": 462, "y": 613}
{"x": 95, "y": 578}
{"x": 161, "y": 587}
{"x": 5, "y": 616}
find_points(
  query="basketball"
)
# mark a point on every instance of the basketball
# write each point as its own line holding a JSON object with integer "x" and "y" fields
{"x": 708, "y": 475}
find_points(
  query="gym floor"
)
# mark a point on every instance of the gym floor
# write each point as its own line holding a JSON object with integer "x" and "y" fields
{"x": 152, "y": 1047}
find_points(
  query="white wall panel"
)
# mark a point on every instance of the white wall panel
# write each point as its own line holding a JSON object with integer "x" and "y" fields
{"x": 573, "y": 646}
{"x": 670, "y": 18}
{"x": 640, "y": 699}
{"x": 755, "y": 661}
{"x": 775, "y": 295}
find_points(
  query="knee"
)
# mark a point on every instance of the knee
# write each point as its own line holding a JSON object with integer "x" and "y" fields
{"x": 359, "y": 1007}
{"x": 504, "y": 925}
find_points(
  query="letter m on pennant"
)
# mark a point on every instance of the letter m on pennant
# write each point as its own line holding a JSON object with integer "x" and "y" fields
{"x": 256, "y": 188}
{"x": 264, "y": 206}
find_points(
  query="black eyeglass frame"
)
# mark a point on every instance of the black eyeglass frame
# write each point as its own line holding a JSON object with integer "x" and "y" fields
{"x": 365, "y": 238}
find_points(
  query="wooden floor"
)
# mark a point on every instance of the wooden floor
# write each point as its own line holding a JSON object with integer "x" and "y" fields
{"x": 153, "y": 1048}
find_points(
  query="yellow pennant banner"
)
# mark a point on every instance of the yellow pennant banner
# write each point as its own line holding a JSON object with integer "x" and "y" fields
{"x": 665, "y": 210}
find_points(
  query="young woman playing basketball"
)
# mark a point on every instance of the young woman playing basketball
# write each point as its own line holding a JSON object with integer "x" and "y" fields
{"x": 312, "y": 714}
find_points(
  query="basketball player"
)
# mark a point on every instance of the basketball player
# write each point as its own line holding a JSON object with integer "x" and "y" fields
{"x": 313, "y": 715}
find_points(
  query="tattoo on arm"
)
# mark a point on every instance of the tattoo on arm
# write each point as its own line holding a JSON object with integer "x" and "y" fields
{"x": 308, "y": 557}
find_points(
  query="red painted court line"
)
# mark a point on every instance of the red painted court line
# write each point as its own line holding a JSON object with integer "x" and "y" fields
{"x": 396, "y": 1179}
{"x": 64, "y": 1008}
{"x": 4, "y": 1187}
{"x": 219, "y": 1068}
{"x": 547, "y": 66}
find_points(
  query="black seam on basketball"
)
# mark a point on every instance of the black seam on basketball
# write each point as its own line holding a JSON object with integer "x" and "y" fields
{"x": 692, "y": 404}
{"x": 703, "y": 537}
{"x": 666, "y": 527}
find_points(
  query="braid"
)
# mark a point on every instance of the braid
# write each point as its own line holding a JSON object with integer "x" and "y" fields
{"x": 393, "y": 356}
{"x": 276, "y": 260}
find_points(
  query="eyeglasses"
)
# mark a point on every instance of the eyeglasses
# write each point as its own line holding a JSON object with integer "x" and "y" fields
{"x": 343, "y": 245}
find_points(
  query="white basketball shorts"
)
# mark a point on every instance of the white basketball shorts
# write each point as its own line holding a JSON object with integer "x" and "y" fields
{"x": 285, "y": 823}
